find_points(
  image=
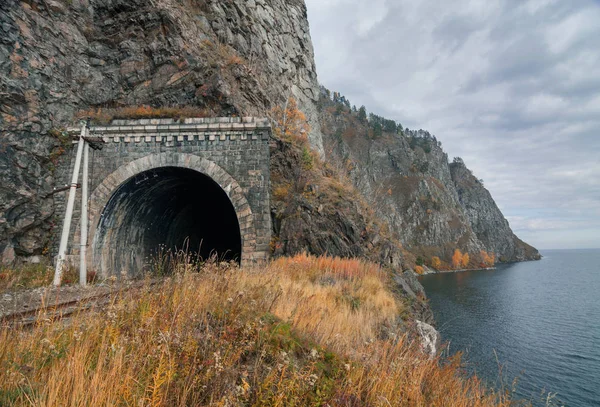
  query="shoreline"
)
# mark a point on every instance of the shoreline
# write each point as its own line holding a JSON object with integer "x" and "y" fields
{"x": 430, "y": 271}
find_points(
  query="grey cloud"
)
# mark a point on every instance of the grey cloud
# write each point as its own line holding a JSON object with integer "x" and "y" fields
{"x": 511, "y": 86}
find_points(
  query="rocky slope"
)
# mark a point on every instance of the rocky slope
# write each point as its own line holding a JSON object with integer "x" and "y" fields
{"x": 432, "y": 206}
{"x": 486, "y": 220}
{"x": 244, "y": 57}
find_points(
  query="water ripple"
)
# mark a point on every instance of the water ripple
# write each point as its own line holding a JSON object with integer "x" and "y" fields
{"x": 542, "y": 319}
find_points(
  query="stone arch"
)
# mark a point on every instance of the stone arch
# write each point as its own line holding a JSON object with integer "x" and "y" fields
{"x": 101, "y": 196}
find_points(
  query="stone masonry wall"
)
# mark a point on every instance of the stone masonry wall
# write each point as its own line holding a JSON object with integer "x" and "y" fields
{"x": 240, "y": 147}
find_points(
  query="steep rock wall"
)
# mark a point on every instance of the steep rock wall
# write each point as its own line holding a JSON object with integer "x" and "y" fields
{"x": 486, "y": 220}
{"x": 58, "y": 57}
{"x": 432, "y": 206}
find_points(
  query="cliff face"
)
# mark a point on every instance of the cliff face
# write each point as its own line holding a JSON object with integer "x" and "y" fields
{"x": 432, "y": 206}
{"x": 486, "y": 220}
{"x": 59, "y": 57}
{"x": 243, "y": 57}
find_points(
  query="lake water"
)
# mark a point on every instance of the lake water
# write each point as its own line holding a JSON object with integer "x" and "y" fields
{"x": 541, "y": 319}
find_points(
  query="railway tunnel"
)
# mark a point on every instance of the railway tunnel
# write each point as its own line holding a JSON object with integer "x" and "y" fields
{"x": 161, "y": 211}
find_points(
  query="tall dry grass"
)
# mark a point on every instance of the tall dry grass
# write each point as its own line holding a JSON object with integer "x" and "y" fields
{"x": 29, "y": 275}
{"x": 300, "y": 331}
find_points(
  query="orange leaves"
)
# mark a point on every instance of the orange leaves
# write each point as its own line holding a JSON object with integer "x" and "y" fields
{"x": 487, "y": 259}
{"x": 436, "y": 263}
{"x": 419, "y": 270}
{"x": 465, "y": 260}
{"x": 483, "y": 259}
{"x": 457, "y": 258}
{"x": 290, "y": 123}
{"x": 460, "y": 260}
{"x": 281, "y": 192}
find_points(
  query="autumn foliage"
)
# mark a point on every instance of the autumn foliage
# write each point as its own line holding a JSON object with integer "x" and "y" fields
{"x": 465, "y": 260}
{"x": 487, "y": 259}
{"x": 436, "y": 263}
{"x": 290, "y": 123}
{"x": 460, "y": 260}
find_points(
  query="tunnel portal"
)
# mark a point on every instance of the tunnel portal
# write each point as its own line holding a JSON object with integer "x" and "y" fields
{"x": 176, "y": 183}
{"x": 164, "y": 210}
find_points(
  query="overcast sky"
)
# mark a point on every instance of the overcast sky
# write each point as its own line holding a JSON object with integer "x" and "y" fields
{"x": 511, "y": 86}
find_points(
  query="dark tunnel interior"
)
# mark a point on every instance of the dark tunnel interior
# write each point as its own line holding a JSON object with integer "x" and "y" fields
{"x": 162, "y": 210}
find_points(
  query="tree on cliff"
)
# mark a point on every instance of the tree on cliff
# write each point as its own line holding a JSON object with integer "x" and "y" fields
{"x": 290, "y": 123}
{"x": 362, "y": 114}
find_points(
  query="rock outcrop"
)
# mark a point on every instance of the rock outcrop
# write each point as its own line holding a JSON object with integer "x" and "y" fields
{"x": 432, "y": 206}
{"x": 315, "y": 212}
{"x": 486, "y": 220}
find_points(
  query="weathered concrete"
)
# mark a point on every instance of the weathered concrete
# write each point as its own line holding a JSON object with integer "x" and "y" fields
{"x": 158, "y": 182}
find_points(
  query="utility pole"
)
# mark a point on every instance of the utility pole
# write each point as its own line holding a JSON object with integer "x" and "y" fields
{"x": 64, "y": 239}
{"x": 84, "y": 217}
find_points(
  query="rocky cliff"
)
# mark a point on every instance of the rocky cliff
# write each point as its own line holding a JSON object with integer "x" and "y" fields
{"x": 432, "y": 206}
{"x": 58, "y": 57}
{"x": 227, "y": 57}
{"x": 486, "y": 220}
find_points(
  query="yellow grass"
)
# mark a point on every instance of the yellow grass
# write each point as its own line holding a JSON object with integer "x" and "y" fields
{"x": 300, "y": 331}
{"x": 31, "y": 275}
{"x": 106, "y": 115}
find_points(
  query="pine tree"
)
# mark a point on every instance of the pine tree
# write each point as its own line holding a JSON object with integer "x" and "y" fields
{"x": 362, "y": 114}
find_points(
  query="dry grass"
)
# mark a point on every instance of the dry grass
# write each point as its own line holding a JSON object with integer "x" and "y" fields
{"x": 31, "y": 275}
{"x": 106, "y": 115}
{"x": 301, "y": 331}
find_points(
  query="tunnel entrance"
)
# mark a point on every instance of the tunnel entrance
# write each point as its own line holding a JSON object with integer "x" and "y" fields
{"x": 161, "y": 210}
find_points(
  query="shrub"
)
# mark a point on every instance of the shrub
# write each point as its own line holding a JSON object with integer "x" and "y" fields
{"x": 436, "y": 263}
{"x": 281, "y": 192}
{"x": 419, "y": 269}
